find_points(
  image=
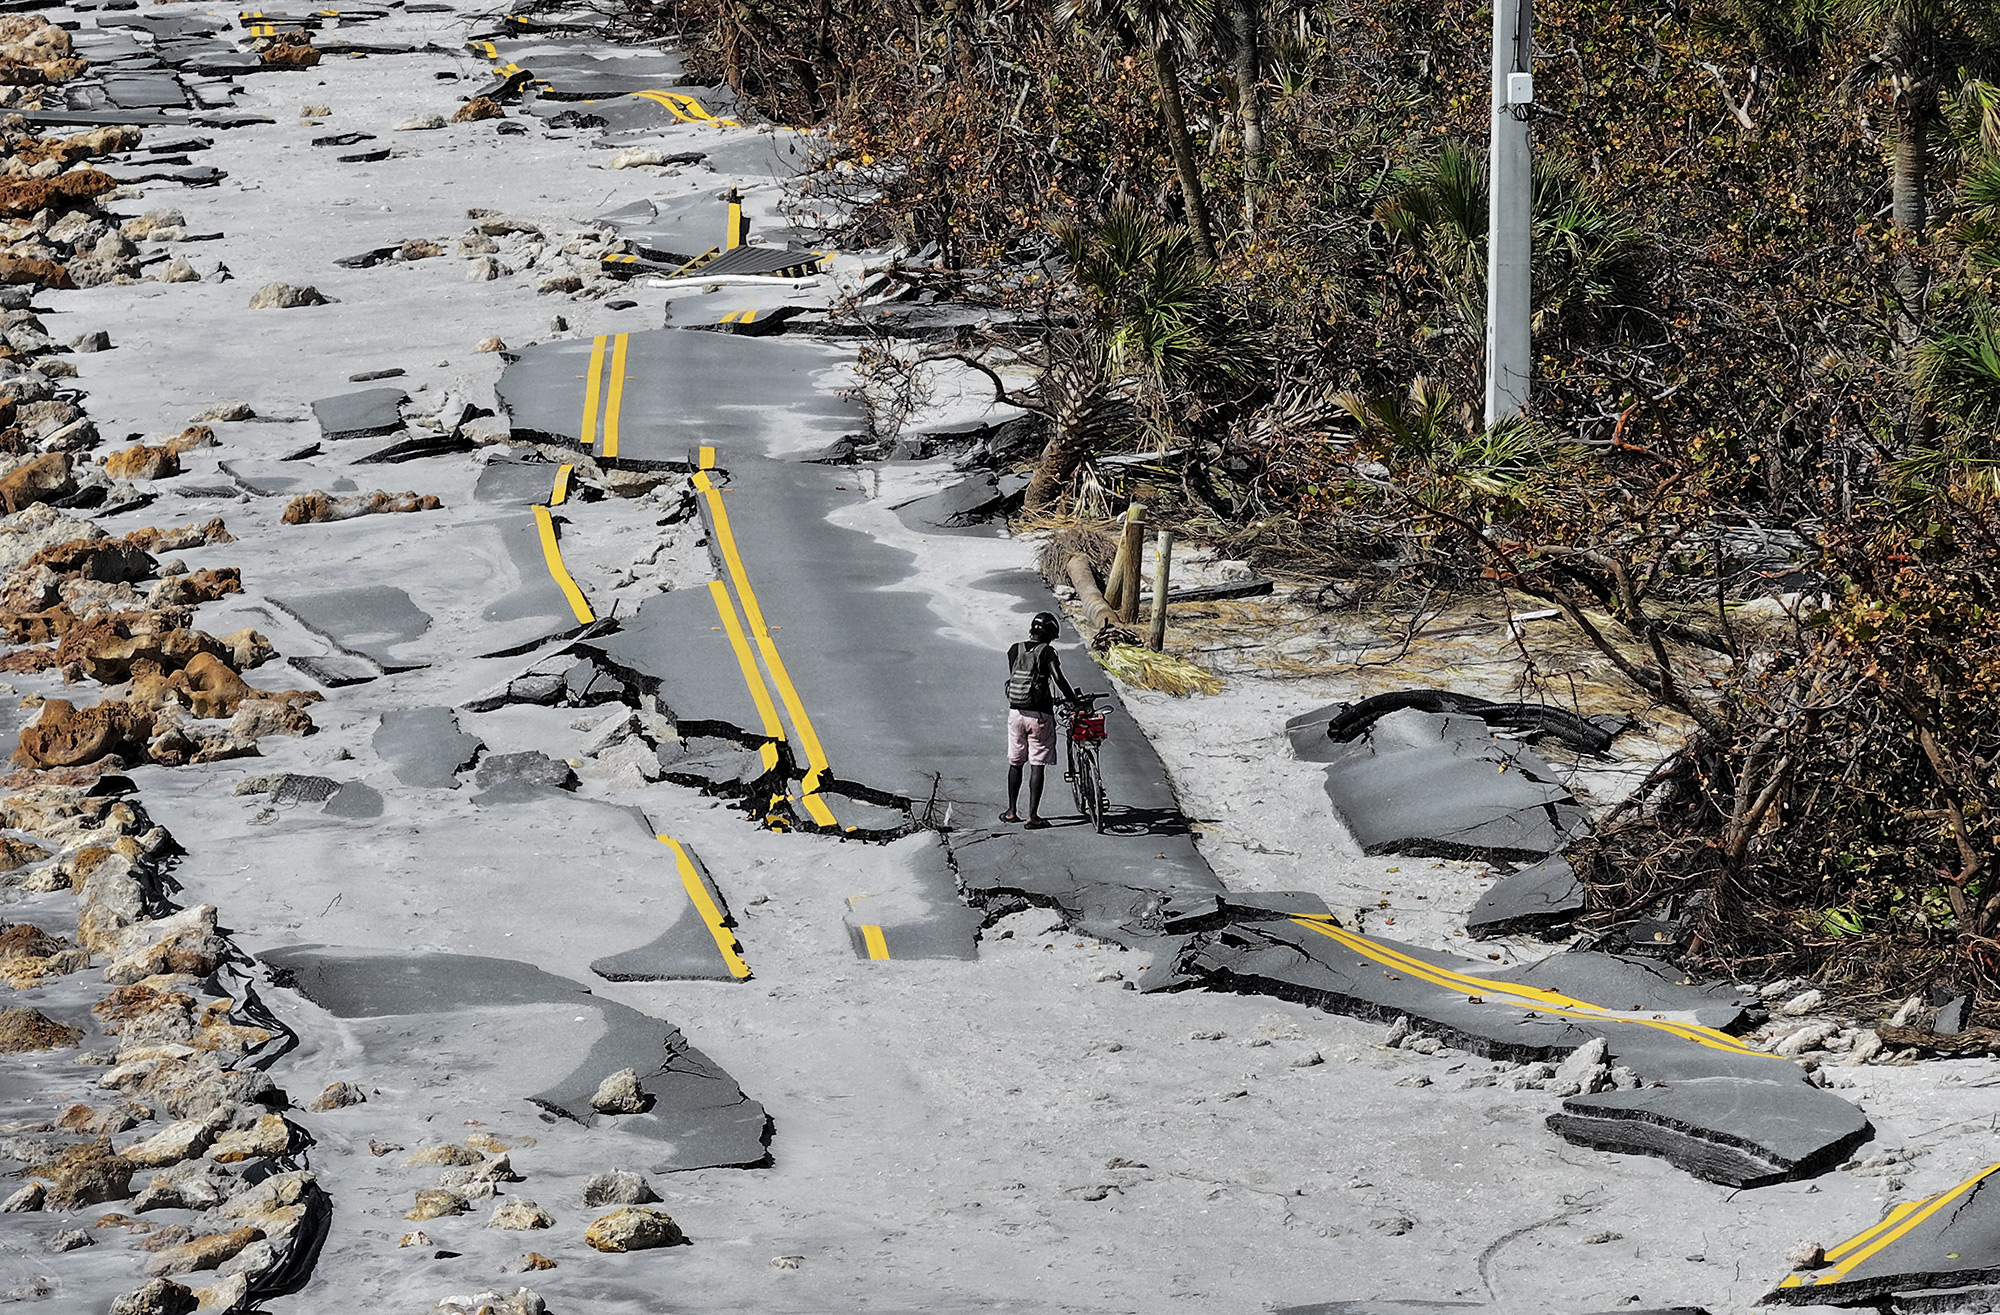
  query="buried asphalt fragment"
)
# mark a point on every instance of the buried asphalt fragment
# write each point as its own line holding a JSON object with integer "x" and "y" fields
{"x": 697, "y": 1114}
{"x": 424, "y": 747}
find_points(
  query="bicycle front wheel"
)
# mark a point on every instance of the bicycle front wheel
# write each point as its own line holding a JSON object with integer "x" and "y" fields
{"x": 1091, "y": 785}
{"x": 1078, "y": 767}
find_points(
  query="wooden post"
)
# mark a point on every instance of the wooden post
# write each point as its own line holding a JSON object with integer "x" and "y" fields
{"x": 1131, "y": 551}
{"x": 1128, "y": 542}
{"x": 1162, "y": 570}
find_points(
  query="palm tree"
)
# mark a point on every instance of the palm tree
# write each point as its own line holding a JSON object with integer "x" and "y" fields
{"x": 1245, "y": 43}
{"x": 1589, "y": 261}
{"x": 1165, "y": 29}
{"x": 1929, "y": 49}
{"x": 1154, "y": 330}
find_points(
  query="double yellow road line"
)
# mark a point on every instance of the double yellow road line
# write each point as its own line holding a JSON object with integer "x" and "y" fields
{"x": 751, "y": 638}
{"x": 1894, "y": 1226}
{"x": 1512, "y": 995}
{"x": 684, "y": 107}
{"x": 600, "y": 404}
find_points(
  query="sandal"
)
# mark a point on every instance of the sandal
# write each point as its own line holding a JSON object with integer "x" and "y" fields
{"x": 1010, "y": 817}
{"x": 1036, "y": 824}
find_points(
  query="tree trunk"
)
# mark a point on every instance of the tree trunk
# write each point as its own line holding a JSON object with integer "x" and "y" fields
{"x": 1250, "y": 103}
{"x": 1910, "y": 182}
{"x": 1166, "y": 66}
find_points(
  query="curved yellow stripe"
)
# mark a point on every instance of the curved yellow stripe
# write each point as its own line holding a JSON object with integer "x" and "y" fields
{"x": 753, "y": 679}
{"x": 795, "y": 711}
{"x": 808, "y": 737}
{"x": 553, "y": 556}
{"x": 871, "y": 935}
{"x": 725, "y": 940}
{"x": 617, "y": 395}
{"x": 725, "y": 541}
{"x": 1917, "y": 1216}
{"x": 559, "y": 494}
{"x": 592, "y": 387}
{"x": 1547, "y": 1001}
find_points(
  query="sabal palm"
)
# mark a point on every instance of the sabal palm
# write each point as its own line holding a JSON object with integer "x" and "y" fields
{"x": 1165, "y": 30}
{"x": 1589, "y": 261}
{"x": 1929, "y": 48}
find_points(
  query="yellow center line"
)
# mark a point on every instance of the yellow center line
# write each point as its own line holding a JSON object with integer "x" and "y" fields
{"x": 553, "y": 555}
{"x": 795, "y": 712}
{"x": 559, "y": 493}
{"x": 1916, "y": 1216}
{"x": 871, "y": 935}
{"x": 725, "y": 541}
{"x": 753, "y": 679}
{"x": 617, "y": 395}
{"x": 704, "y": 903}
{"x": 593, "y": 386}
{"x": 1547, "y": 1001}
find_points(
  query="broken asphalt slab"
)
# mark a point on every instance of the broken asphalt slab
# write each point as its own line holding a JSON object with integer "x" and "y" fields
{"x": 1938, "y": 1253}
{"x": 425, "y": 748}
{"x": 1541, "y": 899}
{"x": 697, "y": 1111}
{"x": 1725, "y": 1112}
{"x": 362, "y": 414}
{"x": 1440, "y": 786}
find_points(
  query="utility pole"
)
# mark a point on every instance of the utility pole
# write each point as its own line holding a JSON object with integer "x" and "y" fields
{"x": 1509, "y": 209}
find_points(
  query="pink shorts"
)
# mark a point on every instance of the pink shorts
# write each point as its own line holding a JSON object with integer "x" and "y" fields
{"x": 1031, "y": 738}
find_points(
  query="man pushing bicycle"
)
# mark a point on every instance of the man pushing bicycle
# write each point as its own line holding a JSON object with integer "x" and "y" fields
{"x": 1034, "y": 673}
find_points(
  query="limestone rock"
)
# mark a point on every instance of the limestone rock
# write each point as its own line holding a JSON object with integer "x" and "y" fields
{"x": 283, "y": 296}
{"x": 520, "y": 1215}
{"x": 41, "y": 479}
{"x": 634, "y": 1229}
{"x": 26, "y": 1199}
{"x": 619, "y": 1187}
{"x": 419, "y": 248}
{"x": 316, "y": 507}
{"x": 491, "y": 344}
{"x": 183, "y": 942}
{"x": 226, "y": 1293}
{"x": 476, "y": 243}
{"x": 484, "y": 269}
{"x": 447, "y": 1154}
{"x": 178, "y": 270}
{"x": 226, "y": 411}
{"x": 278, "y": 1204}
{"x": 1803, "y": 1003}
{"x": 24, "y": 1030}
{"x": 270, "y": 1135}
{"x": 477, "y": 109}
{"x": 620, "y": 1094}
{"x": 338, "y": 1095}
{"x": 435, "y": 1203}
{"x": 564, "y": 282}
{"x": 524, "y": 1301}
{"x": 68, "y": 1239}
{"x": 142, "y": 462}
{"x": 259, "y": 1257}
{"x": 1582, "y": 1072}
{"x": 86, "y": 1175}
{"x": 635, "y": 157}
{"x": 201, "y": 1252}
{"x": 170, "y": 1145}
{"x": 159, "y": 1297}
{"x": 420, "y": 123}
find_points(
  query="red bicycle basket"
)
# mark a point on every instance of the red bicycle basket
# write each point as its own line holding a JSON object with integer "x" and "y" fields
{"x": 1085, "y": 729}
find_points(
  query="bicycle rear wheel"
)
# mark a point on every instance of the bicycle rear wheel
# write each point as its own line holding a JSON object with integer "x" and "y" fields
{"x": 1077, "y": 769}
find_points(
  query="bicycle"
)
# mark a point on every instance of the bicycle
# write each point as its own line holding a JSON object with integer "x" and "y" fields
{"x": 1083, "y": 726}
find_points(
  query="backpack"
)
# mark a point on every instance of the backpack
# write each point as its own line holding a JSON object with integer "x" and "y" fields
{"x": 1028, "y": 677}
